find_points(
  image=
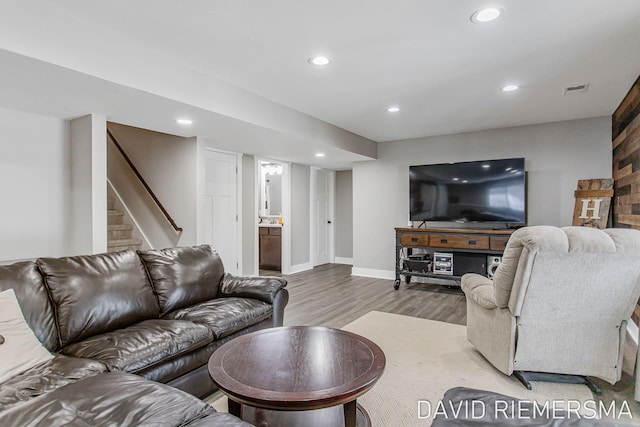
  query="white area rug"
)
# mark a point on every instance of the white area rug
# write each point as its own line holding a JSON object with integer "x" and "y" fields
{"x": 425, "y": 358}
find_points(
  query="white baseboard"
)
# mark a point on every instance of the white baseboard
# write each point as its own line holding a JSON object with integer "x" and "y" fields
{"x": 632, "y": 330}
{"x": 343, "y": 260}
{"x": 298, "y": 268}
{"x": 375, "y": 274}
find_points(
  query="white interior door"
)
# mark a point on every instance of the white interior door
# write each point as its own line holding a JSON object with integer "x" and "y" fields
{"x": 221, "y": 207}
{"x": 320, "y": 216}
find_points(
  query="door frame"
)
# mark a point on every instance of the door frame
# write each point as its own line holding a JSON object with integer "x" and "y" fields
{"x": 238, "y": 199}
{"x": 331, "y": 214}
{"x": 286, "y": 214}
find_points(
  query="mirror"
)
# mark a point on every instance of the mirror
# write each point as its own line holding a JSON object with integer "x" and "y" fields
{"x": 270, "y": 189}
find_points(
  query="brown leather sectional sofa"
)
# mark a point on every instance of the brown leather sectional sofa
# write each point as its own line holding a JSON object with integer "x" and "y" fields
{"x": 158, "y": 314}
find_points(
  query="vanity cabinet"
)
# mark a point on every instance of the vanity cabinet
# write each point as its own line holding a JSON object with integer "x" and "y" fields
{"x": 270, "y": 253}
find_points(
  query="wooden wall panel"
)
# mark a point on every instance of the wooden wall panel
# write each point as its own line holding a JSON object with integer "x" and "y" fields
{"x": 625, "y": 130}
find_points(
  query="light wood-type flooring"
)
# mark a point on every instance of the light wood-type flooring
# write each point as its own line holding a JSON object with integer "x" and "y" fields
{"x": 330, "y": 296}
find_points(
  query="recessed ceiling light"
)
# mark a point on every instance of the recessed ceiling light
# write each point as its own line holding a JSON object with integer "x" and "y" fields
{"x": 184, "y": 121}
{"x": 393, "y": 109}
{"x": 455, "y": 179}
{"x": 464, "y": 181}
{"x": 319, "y": 154}
{"x": 508, "y": 169}
{"x": 486, "y": 15}
{"x": 486, "y": 166}
{"x": 510, "y": 88}
{"x": 319, "y": 60}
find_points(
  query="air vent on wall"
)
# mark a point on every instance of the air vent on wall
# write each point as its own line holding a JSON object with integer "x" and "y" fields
{"x": 576, "y": 89}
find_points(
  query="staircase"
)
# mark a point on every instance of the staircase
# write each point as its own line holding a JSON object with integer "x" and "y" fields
{"x": 119, "y": 236}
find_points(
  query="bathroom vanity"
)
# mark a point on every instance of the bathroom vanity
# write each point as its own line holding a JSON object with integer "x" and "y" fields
{"x": 270, "y": 243}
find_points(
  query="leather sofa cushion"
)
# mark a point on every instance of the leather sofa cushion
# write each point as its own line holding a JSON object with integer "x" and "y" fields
{"x": 116, "y": 399}
{"x": 174, "y": 368}
{"x": 94, "y": 294}
{"x": 224, "y": 316}
{"x": 189, "y": 363}
{"x": 48, "y": 376}
{"x": 183, "y": 276}
{"x": 143, "y": 345}
{"x": 26, "y": 281}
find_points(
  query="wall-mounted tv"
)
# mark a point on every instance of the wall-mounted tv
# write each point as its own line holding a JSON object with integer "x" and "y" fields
{"x": 490, "y": 191}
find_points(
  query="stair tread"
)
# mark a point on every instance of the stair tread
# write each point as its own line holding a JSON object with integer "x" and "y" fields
{"x": 118, "y": 233}
{"x": 113, "y": 227}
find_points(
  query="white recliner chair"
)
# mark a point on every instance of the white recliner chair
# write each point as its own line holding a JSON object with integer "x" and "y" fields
{"x": 559, "y": 303}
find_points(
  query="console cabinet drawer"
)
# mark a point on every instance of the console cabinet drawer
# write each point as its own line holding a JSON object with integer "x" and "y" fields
{"x": 459, "y": 241}
{"x": 414, "y": 239}
{"x": 498, "y": 243}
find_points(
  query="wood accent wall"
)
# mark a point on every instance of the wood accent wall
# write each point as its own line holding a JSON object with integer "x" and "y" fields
{"x": 625, "y": 131}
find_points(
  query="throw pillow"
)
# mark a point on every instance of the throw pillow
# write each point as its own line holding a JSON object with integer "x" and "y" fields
{"x": 20, "y": 349}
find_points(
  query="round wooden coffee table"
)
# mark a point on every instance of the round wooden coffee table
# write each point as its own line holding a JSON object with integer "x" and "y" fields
{"x": 280, "y": 372}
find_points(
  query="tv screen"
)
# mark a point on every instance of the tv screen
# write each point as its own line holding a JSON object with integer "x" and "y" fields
{"x": 481, "y": 191}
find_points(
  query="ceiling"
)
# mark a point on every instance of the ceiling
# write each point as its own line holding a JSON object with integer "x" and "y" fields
{"x": 243, "y": 64}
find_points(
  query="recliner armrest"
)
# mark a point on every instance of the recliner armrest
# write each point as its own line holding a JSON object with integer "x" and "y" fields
{"x": 479, "y": 289}
{"x": 260, "y": 288}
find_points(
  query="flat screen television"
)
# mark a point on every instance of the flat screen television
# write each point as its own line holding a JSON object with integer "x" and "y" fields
{"x": 491, "y": 191}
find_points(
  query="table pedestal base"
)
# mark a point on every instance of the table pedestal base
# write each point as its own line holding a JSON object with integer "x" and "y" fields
{"x": 326, "y": 417}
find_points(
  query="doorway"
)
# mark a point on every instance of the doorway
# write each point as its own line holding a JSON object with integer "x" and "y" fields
{"x": 221, "y": 228}
{"x": 273, "y": 216}
{"x": 322, "y": 190}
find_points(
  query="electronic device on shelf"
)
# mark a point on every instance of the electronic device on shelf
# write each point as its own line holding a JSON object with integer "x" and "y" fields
{"x": 490, "y": 191}
{"x": 493, "y": 261}
{"x": 420, "y": 263}
{"x": 443, "y": 263}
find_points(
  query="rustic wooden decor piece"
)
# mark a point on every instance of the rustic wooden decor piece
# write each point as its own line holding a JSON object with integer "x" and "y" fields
{"x": 626, "y": 160}
{"x": 625, "y": 130}
{"x": 593, "y": 199}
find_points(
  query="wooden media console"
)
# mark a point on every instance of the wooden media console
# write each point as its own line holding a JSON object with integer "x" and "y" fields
{"x": 467, "y": 251}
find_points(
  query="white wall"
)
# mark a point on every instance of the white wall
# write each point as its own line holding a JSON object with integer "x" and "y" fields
{"x": 556, "y": 155}
{"x": 34, "y": 185}
{"x": 170, "y": 166}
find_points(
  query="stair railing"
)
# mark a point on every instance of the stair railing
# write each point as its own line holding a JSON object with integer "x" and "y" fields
{"x": 143, "y": 182}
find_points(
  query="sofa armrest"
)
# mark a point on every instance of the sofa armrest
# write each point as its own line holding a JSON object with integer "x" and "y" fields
{"x": 479, "y": 289}
{"x": 268, "y": 289}
{"x": 260, "y": 288}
